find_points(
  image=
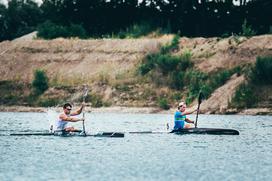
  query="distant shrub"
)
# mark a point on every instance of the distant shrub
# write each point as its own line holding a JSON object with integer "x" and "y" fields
{"x": 40, "y": 82}
{"x": 174, "y": 45}
{"x": 165, "y": 68}
{"x": 244, "y": 97}
{"x": 162, "y": 60}
{"x": 185, "y": 61}
{"x": 195, "y": 81}
{"x": 176, "y": 80}
{"x": 50, "y": 30}
{"x": 167, "y": 63}
{"x": 163, "y": 103}
{"x": 148, "y": 63}
{"x": 262, "y": 71}
{"x": 247, "y": 30}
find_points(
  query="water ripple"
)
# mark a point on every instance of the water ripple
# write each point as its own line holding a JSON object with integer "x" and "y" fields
{"x": 247, "y": 156}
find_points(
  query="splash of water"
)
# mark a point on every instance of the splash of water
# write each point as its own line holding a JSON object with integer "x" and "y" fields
{"x": 52, "y": 117}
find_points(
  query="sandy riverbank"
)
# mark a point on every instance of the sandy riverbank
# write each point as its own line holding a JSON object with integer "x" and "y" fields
{"x": 87, "y": 109}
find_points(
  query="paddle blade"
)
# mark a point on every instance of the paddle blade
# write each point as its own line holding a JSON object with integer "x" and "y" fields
{"x": 200, "y": 97}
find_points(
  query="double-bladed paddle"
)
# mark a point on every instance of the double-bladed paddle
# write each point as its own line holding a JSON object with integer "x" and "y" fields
{"x": 200, "y": 98}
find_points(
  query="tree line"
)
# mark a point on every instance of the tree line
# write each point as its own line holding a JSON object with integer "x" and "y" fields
{"x": 97, "y": 18}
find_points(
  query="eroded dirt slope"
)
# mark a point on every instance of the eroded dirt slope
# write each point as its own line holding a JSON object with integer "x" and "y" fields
{"x": 74, "y": 59}
{"x": 63, "y": 58}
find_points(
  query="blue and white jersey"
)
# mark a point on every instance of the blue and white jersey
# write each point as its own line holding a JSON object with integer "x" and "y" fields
{"x": 179, "y": 120}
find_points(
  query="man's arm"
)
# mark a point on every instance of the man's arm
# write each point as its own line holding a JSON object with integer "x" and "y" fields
{"x": 78, "y": 111}
{"x": 189, "y": 112}
{"x": 69, "y": 119}
{"x": 189, "y": 121}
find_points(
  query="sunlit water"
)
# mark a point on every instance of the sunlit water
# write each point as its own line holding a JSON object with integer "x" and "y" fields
{"x": 247, "y": 156}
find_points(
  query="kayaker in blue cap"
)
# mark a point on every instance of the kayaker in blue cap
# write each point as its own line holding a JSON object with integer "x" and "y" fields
{"x": 180, "y": 117}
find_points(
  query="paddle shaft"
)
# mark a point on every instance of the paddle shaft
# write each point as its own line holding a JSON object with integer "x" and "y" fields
{"x": 200, "y": 97}
{"x": 197, "y": 115}
{"x": 83, "y": 122}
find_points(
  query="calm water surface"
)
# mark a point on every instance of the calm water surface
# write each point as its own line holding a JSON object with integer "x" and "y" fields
{"x": 247, "y": 156}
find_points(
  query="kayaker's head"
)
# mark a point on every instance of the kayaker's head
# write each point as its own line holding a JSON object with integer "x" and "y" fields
{"x": 67, "y": 107}
{"x": 182, "y": 106}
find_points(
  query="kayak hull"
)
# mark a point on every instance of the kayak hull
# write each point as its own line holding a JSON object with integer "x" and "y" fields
{"x": 99, "y": 134}
{"x": 213, "y": 131}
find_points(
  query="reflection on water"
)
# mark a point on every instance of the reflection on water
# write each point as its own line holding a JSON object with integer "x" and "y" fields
{"x": 137, "y": 157}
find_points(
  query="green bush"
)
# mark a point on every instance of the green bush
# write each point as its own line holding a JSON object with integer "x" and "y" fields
{"x": 244, "y": 97}
{"x": 166, "y": 68}
{"x": 194, "y": 80}
{"x": 148, "y": 63}
{"x": 262, "y": 71}
{"x": 163, "y": 103}
{"x": 167, "y": 63}
{"x": 174, "y": 45}
{"x": 40, "y": 82}
{"x": 185, "y": 61}
{"x": 162, "y": 60}
{"x": 176, "y": 80}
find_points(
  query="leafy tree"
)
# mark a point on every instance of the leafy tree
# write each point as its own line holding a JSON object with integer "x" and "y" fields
{"x": 100, "y": 18}
{"x": 18, "y": 18}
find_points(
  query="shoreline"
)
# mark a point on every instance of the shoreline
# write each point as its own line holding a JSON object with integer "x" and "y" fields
{"x": 142, "y": 110}
{"x": 114, "y": 109}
